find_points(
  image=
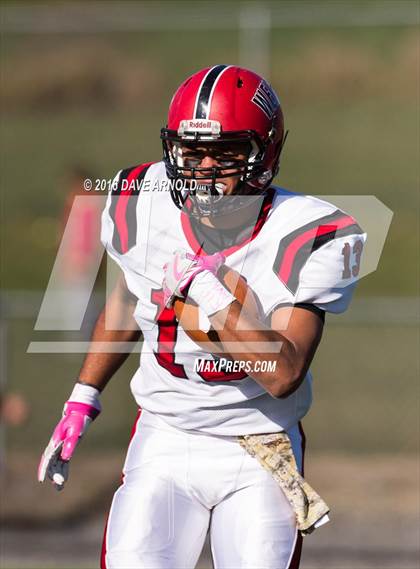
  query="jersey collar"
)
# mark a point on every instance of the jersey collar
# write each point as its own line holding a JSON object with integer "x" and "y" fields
{"x": 198, "y": 248}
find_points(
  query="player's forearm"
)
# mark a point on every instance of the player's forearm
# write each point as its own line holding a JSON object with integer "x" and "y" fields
{"x": 246, "y": 339}
{"x": 111, "y": 342}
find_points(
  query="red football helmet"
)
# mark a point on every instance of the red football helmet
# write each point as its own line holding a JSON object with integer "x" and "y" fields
{"x": 217, "y": 107}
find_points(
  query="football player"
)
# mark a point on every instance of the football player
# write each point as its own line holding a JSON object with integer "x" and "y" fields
{"x": 170, "y": 226}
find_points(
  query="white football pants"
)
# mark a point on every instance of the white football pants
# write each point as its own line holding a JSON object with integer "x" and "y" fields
{"x": 177, "y": 486}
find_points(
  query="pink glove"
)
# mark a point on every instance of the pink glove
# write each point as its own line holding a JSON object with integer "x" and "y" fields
{"x": 79, "y": 411}
{"x": 182, "y": 270}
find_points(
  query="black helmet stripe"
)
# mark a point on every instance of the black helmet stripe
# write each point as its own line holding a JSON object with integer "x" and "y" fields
{"x": 204, "y": 94}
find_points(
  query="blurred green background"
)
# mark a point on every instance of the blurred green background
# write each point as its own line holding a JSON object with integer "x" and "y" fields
{"x": 350, "y": 98}
{"x": 99, "y": 96}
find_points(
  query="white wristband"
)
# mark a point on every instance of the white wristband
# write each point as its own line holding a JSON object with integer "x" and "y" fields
{"x": 86, "y": 394}
{"x": 209, "y": 293}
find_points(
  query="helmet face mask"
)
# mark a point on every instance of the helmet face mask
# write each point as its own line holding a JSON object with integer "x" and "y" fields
{"x": 242, "y": 133}
{"x": 236, "y": 161}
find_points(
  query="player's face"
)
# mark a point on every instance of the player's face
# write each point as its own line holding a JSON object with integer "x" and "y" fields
{"x": 228, "y": 157}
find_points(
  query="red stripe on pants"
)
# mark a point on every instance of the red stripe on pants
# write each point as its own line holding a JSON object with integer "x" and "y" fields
{"x": 295, "y": 561}
{"x": 103, "y": 549}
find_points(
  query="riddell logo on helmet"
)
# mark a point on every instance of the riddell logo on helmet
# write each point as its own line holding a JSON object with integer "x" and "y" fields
{"x": 204, "y": 126}
{"x": 199, "y": 124}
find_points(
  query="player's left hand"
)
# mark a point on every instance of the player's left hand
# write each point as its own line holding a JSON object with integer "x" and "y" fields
{"x": 183, "y": 268}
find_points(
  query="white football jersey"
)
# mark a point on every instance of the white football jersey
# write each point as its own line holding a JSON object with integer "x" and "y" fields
{"x": 301, "y": 250}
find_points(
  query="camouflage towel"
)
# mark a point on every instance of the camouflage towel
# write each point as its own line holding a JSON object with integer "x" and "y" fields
{"x": 274, "y": 452}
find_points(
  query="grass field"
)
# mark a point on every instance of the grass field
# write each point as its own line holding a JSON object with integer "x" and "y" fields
{"x": 350, "y": 99}
{"x": 373, "y": 501}
{"x": 355, "y": 155}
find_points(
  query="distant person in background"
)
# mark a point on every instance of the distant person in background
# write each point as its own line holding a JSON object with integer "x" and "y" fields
{"x": 84, "y": 227}
{"x": 80, "y": 245}
{"x": 14, "y": 409}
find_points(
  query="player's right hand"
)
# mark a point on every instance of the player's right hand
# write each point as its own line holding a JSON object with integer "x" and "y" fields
{"x": 182, "y": 269}
{"x": 79, "y": 411}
